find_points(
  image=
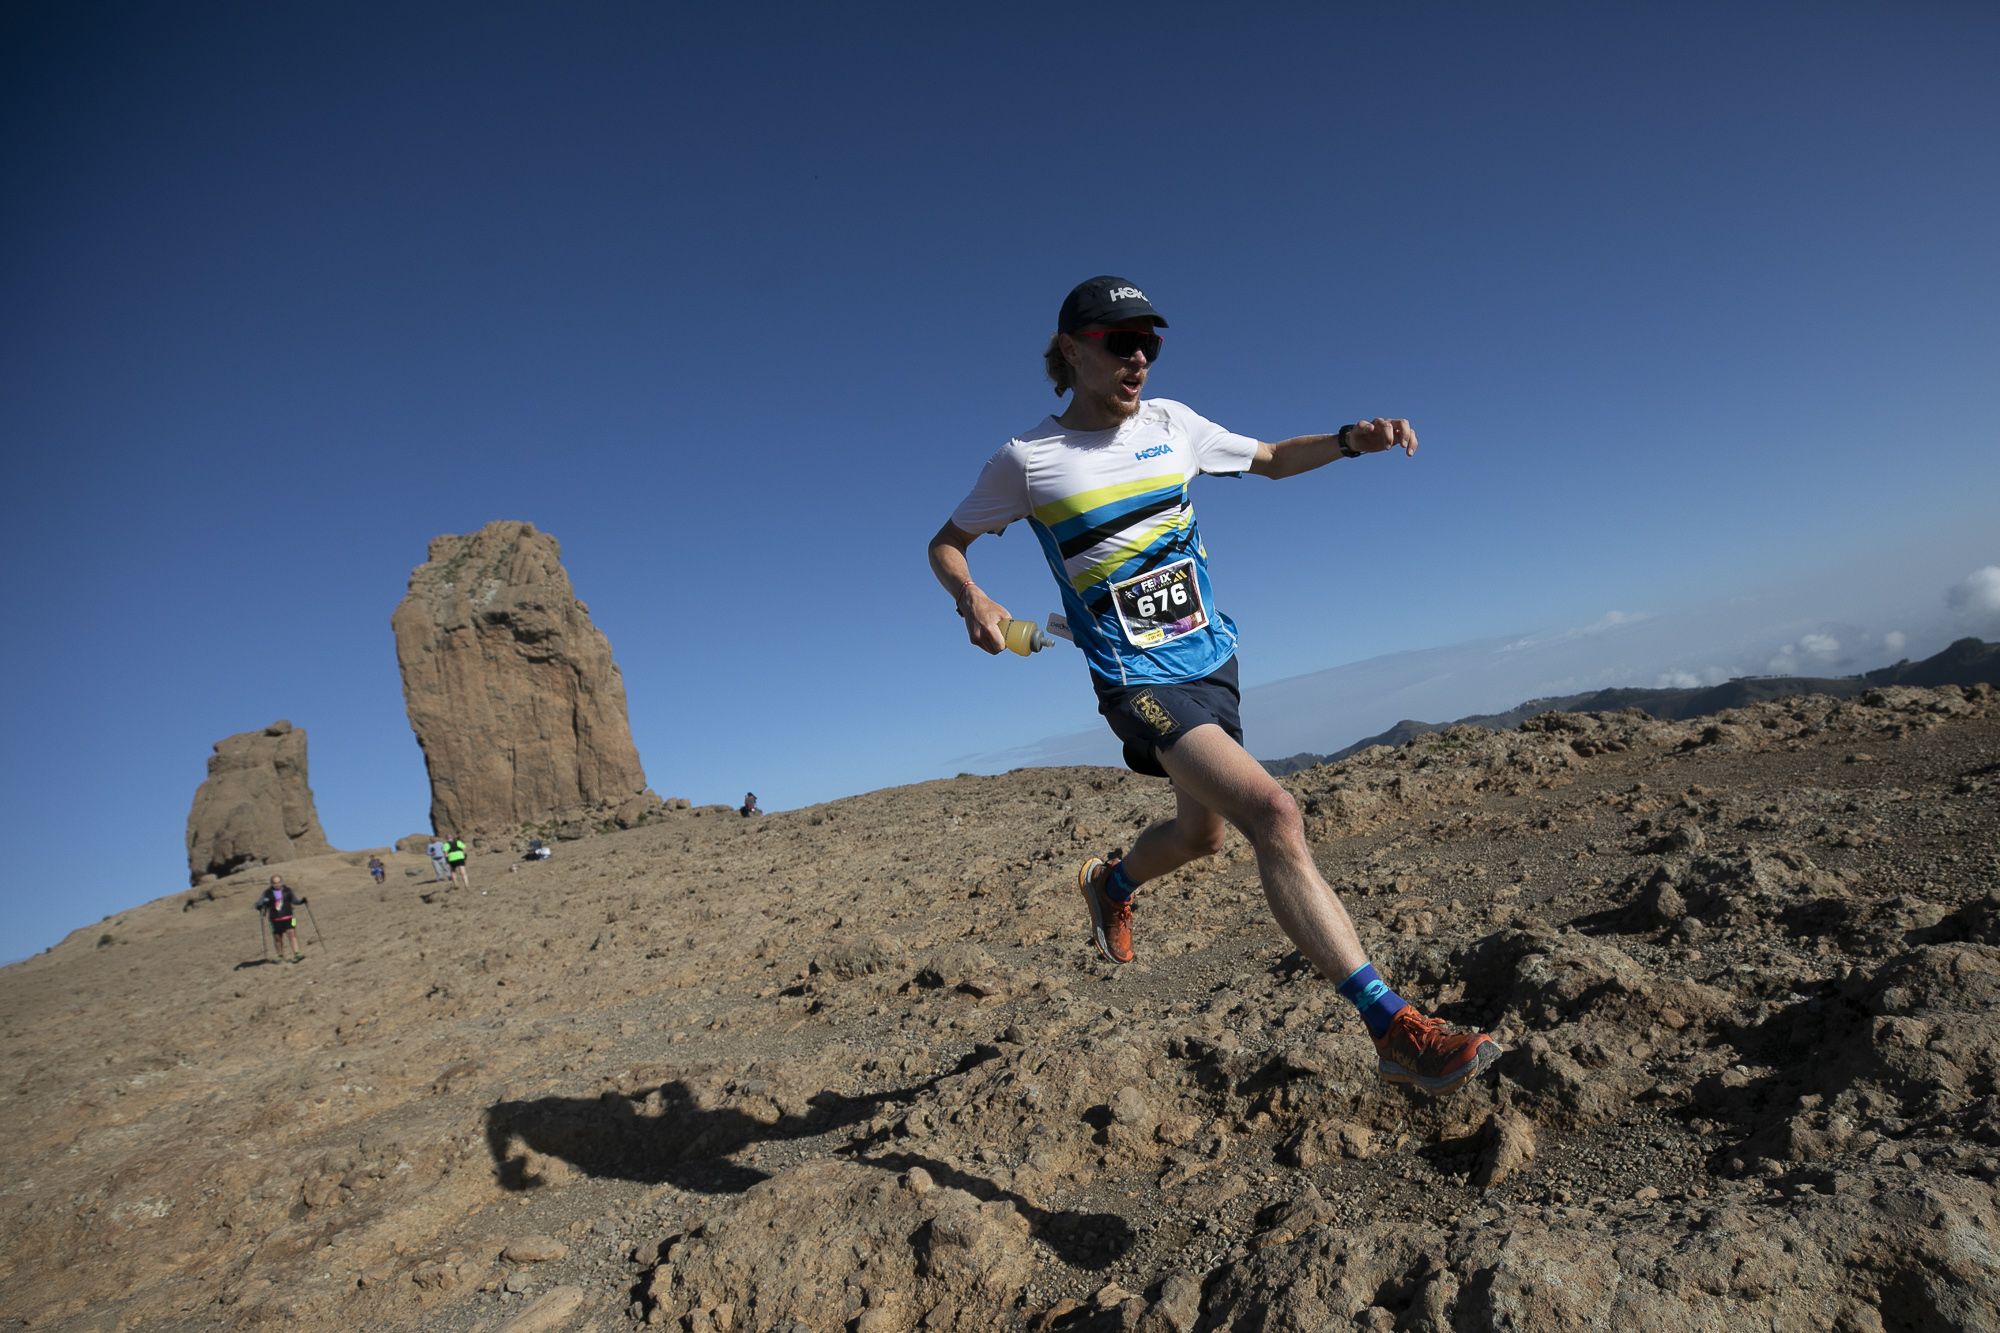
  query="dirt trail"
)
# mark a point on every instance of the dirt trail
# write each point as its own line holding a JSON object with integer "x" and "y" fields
{"x": 855, "y": 1067}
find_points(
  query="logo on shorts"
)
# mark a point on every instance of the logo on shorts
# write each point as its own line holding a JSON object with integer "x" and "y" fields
{"x": 1154, "y": 712}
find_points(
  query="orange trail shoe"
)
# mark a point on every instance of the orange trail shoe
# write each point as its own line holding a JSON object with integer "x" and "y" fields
{"x": 1427, "y": 1052}
{"x": 1110, "y": 920}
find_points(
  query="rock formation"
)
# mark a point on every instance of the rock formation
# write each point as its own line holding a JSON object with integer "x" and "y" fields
{"x": 511, "y": 690}
{"x": 255, "y": 805}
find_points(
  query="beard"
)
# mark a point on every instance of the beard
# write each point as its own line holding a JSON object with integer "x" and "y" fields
{"x": 1122, "y": 408}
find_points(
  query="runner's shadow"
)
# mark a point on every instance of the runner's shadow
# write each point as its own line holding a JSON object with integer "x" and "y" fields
{"x": 665, "y": 1136}
{"x": 254, "y": 962}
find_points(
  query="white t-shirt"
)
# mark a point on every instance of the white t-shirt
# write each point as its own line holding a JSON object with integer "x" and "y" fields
{"x": 1112, "y": 513}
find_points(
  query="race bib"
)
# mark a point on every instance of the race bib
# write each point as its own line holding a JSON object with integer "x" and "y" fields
{"x": 1160, "y": 606}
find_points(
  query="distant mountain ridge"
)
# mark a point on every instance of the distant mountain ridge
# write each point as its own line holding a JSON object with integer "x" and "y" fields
{"x": 1964, "y": 662}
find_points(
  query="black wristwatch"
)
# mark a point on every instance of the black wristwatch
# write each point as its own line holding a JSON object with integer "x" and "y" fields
{"x": 1347, "y": 449}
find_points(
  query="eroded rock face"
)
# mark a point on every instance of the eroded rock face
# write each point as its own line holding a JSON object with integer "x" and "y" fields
{"x": 511, "y": 690}
{"x": 255, "y": 805}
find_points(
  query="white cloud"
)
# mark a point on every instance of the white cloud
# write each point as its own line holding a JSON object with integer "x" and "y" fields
{"x": 1977, "y": 594}
{"x": 1894, "y": 640}
{"x": 1680, "y": 678}
{"x": 1811, "y": 652}
{"x": 1610, "y": 620}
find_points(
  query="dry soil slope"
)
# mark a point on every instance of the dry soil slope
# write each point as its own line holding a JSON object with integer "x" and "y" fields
{"x": 854, "y": 1066}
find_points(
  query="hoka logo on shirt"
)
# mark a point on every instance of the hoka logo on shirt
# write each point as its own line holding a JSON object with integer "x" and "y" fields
{"x": 1154, "y": 452}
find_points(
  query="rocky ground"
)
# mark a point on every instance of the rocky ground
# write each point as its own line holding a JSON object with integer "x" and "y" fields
{"x": 856, "y": 1067}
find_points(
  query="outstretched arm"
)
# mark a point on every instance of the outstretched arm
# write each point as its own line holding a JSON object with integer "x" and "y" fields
{"x": 1303, "y": 453}
{"x": 982, "y": 615}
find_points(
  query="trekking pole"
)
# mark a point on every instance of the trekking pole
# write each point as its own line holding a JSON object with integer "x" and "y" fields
{"x": 264, "y": 935}
{"x": 318, "y": 938}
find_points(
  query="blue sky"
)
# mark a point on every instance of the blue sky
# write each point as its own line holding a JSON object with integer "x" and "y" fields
{"x": 1692, "y": 305}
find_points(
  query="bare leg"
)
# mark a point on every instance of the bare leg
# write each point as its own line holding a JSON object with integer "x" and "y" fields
{"x": 1195, "y": 831}
{"x": 1215, "y": 772}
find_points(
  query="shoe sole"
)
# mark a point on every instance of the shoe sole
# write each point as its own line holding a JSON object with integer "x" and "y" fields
{"x": 1483, "y": 1056}
{"x": 1095, "y": 905}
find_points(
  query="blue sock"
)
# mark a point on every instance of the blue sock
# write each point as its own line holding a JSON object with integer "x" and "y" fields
{"x": 1118, "y": 886}
{"x": 1372, "y": 996}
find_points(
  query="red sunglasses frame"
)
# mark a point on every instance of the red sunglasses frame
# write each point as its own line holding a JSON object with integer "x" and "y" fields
{"x": 1102, "y": 334}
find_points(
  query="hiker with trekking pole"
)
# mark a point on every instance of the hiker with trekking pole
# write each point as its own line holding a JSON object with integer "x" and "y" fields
{"x": 277, "y": 905}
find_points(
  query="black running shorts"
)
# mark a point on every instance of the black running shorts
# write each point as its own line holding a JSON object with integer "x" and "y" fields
{"x": 1150, "y": 718}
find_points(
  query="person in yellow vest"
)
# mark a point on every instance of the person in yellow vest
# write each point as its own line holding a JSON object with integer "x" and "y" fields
{"x": 454, "y": 856}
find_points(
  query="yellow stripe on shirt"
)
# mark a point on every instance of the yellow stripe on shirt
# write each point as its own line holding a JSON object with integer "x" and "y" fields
{"x": 1056, "y": 511}
{"x": 1106, "y": 567}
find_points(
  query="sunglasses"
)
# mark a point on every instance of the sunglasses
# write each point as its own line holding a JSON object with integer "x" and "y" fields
{"x": 1121, "y": 343}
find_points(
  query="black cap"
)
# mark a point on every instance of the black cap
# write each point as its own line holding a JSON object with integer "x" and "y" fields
{"x": 1105, "y": 300}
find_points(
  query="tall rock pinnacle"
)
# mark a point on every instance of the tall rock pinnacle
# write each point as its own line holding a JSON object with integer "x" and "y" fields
{"x": 255, "y": 804}
{"x": 511, "y": 690}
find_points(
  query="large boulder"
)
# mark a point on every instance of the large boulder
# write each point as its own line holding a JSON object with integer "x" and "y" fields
{"x": 511, "y": 690}
{"x": 255, "y": 805}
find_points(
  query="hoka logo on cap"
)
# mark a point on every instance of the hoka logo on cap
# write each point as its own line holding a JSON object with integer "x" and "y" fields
{"x": 1104, "y": 299}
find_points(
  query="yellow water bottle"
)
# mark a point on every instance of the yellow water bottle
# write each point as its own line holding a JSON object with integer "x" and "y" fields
{"x": 1024, "y": 637}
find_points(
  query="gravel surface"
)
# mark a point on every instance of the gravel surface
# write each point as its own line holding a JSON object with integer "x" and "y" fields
{"x": 856, "y": 1067}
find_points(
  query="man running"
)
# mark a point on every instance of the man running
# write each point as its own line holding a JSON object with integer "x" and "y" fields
{"x": 1104, "y": 487}
{"x": 277, "y": 904}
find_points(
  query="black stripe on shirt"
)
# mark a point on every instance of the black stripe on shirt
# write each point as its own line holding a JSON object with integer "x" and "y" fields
{"x": 1083, "y": 541}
